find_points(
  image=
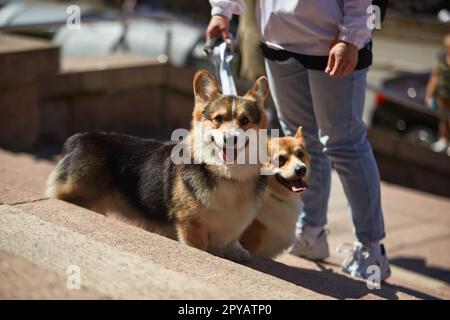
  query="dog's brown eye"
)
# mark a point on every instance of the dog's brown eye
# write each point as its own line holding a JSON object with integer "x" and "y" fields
{"x": 300, "y": 154}
{"x": 243, "y": 121}
{"x": 218, "y": 119}
{"x": 281, "y": 160}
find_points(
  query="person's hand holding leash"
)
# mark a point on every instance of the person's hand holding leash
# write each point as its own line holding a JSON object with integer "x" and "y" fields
{"x": 342, "y": 59}
{"x": 218, "y": 27}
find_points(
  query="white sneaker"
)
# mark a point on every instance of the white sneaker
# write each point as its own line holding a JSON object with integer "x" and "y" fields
{"x": 362, "y": 259}
{"x": 309, "y": 246}
{"x": 440, "y": 145}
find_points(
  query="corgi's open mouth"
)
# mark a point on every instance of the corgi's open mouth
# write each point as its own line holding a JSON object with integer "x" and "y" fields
{"x": 295, "y": 185}
{"x": 231, "y": 154}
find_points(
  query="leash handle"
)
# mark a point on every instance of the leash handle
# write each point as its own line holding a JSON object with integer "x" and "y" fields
{"x": 222, "y": 54}
{"x": 209, "y": 45}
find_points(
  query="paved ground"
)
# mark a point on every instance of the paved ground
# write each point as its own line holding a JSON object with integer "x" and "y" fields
{"x": 40, "y": 238}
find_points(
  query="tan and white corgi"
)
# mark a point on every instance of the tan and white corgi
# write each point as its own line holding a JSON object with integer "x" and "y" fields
{"x": 274, "y": 228}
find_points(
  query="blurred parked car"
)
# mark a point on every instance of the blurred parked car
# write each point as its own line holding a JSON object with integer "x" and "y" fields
{"x": 159, "y": 35}
{"x": 439, "y": 9}
{"x": 162, "y": 39}
{"x": 400, "y": 108}
{"x": 419, "y": 6}
{"x": 40, "y": 18}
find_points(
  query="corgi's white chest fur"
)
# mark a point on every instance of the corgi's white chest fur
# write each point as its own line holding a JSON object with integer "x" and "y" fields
{"x": 279, "y": 217}
{"x": 231, "y": 208}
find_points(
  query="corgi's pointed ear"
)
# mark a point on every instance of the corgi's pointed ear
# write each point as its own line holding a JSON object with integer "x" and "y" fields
{"x": 205, "y": 86}
{"x": 260, "y": 89}
{"x": 299, "y": 136}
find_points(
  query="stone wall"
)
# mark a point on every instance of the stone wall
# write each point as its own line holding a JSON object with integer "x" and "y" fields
{"x": 410, "y": 164}
{"x": 413, "y": 28}
{"x": 39, "y": 100}
{"x": 23, "y": 62}
{"x": 122, "y": 93}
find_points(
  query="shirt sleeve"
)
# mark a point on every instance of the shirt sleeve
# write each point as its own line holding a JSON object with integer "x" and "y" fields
{"x": 354, "y": 27}
{"x": 227, "y": 7}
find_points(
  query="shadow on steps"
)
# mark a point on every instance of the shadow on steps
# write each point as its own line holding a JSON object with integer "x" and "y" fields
{"x": 419, "y": 265}
{"x": 327, "y": 282}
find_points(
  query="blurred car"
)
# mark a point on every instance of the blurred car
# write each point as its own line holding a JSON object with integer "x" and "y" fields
{"x": 400, "y": 108}
{"x": 163, "y": 39}
{"x": 26, "y": 16}
{"x": 155, "y": 34}
{"x": 419, "y": 6}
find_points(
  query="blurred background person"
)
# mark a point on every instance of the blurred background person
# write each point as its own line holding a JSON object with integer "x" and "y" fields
{"x": 438, "y": 89}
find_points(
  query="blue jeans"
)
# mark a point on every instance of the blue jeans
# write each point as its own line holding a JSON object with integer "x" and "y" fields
{"x": 330, "y": 112}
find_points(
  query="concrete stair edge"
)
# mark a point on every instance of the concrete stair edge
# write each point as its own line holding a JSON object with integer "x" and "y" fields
{"x": 104, "y": 269}
{"x": 233, "y": 280}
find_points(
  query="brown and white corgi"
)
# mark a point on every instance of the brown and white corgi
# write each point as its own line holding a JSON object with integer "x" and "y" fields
{"x": 203, "y": 203}
{"x": 273, "y": 230}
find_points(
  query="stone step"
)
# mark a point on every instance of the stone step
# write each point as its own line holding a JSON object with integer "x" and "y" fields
{"x": 118, "y": 260}
{"x": 53, "y": 231}
{"x": 103, "y": 268}
{"x": 21, "y": 279}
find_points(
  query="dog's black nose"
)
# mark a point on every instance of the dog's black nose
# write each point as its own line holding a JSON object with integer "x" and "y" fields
{"x": 300, "y": 171}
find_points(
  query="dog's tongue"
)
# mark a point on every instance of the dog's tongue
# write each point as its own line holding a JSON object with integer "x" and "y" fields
{"x": 298, "y": 185}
